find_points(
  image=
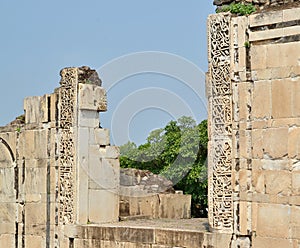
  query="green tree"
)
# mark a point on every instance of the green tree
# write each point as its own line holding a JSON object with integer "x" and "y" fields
{"x": 178, "y": 152}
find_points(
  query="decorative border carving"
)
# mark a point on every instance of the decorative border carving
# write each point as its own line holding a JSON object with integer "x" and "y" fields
{"x": 67, "y": 118}
{"x": 220, "y": 160}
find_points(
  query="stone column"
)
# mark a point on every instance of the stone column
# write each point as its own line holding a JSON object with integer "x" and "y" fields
{"x": 88, "y": 165}
{"x": 220, "y": 123}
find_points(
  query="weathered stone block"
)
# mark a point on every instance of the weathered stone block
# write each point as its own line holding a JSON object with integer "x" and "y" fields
{"x": 295, "y": 230}
{"x": 289, "y": 31}
{"x": 286, "y": 54}
{"x": 31, "y": 216}
{"x": 137, "y": 235}
{"x": 257, "y": 143}
{"x": 275, "y": 165}
{"x": 244, "y": 101}
{"x": 217, "y": 240}
{"x": 52, "y": 149}
{"x": 261, "y": 106}
{"x": 295, "y": 216}
{"x": 242, "y": 22}
{"x": 7, "y": 191}
{"x": 36, "y": 109}
{"x": 105, "y": 173}
{"x": 291, "y": 14}
{"x": 296, "y": 184}
{"x": 7, "y": 228}
{"x": 147, "y": 205}
{"x": 254, "y": 212}
{"x": 36, "y": 180}
{"x": 34, "y": 241}
{"x": 99, "y": 136}
{"x": 92, "y": 97}
{"x": 280, "y": 72}
{"x": 275, "y": 142}
{"x": 53, "y": 107}
{"x": 34, "y": 197}
{"x": 258, "y": 181}
{"x": 278, "y": 182}
{"x": 7, "y": 212}
{"x": 258, "y": 197}
{"x": 103, "y": 206}
{"x": 31, "y": 108}
{"x": 133, "y": 245}
{"x": 245, "y": 144}
{"x": 11, "y": 139}
{"x": 88, "y": 118}
{"x": 265, "y": 18}
{"x": 179, "y": 238}
{"x": 91, "y": 243}
{"x": 271, "y": 215}
{"x": 266, "y": 34}
{"x": 294, "y": 164}
{"x": 5, "y": 160}
{"x": 243, "y": 180}
{"x": 174, "y": 206}
{"x": 110, "y": 152}
{"x": 260, "y": 124}
{"x": 43, "y": 110}
{"x": 33, "y": 144}
{"x": 107, "y": 233}
{"x": 281, "y": 99}
{"x": 296, "y": 97}
{"x": 7, "y": 240}
{"x": 294, "y": 143}
{"x": 83, "y": 175}
{"x": 261, "y": 74}
{"x": 263, "y": 242}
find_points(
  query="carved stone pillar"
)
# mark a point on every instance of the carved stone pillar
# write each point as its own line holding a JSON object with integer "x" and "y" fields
{"x": 67, "y": 124}
{"x": 88, "y": 167}
{"x": 220, "y": 123}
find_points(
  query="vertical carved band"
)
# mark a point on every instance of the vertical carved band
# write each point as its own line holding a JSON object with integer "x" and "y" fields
{"x": 68, "y": 102}
{"x": 220, "y": 162}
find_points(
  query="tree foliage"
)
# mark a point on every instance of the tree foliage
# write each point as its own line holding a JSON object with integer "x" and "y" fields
{"x": 179, "y": 152}
{"x": 238, "y": 8}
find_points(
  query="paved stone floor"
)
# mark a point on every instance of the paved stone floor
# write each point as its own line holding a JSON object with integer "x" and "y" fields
{"x": 194, "y": 224}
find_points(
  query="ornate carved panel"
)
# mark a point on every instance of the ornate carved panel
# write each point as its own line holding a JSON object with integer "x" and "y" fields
{"x": 220, "y": 161}
{"x": 221, "y": 116}
{"x": 67, "y": 118}
{"x": 222, "y": 185}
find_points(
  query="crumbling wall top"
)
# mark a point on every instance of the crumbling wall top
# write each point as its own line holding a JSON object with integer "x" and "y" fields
{"x": 259, "y": 4}
{"x": 86, "y": 75}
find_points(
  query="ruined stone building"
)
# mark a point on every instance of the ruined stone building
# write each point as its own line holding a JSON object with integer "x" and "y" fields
{"x": 60, "y": 177}
{"x": 253, "y": 89}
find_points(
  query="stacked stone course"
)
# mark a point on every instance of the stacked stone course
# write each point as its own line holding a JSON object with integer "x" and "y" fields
{"x": 59, "y": 176}
{"x": 258, "y": 167}
{"x": 57, "y": 167}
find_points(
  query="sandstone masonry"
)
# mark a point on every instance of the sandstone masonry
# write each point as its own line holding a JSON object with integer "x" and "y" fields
{"x": 58, "y": 168}
{"x": 59, "y": 176}
{"x": 254, "y": 125}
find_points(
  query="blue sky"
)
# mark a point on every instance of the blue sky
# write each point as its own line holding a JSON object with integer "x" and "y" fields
{"x": 39, "y": 38}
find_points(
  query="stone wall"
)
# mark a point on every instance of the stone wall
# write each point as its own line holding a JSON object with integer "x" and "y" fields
{"x": 146, "y": 234}
{"x": 59, "y": 176}
{"x": 147, "y": 195}
{"x": 57, "y": 168}
{"x": 254, "y": 125}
